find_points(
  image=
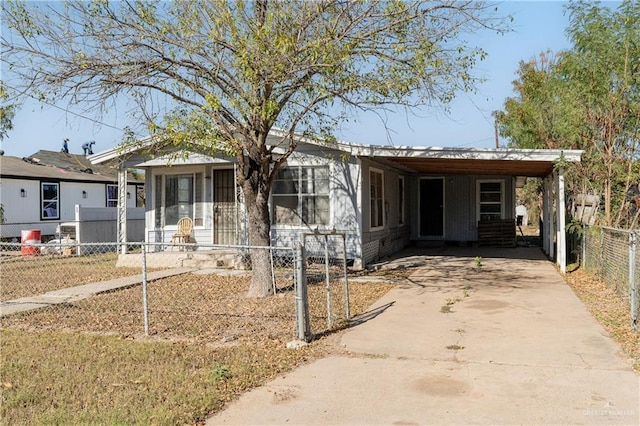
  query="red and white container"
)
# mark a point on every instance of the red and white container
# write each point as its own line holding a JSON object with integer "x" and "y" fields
{"x": 29, "y": 237}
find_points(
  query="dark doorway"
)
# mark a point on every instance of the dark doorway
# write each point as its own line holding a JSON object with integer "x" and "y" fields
{"x": 432, "y": 207}
{"x": 224, "y": 207}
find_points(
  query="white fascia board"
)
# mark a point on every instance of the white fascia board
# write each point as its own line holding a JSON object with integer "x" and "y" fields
{"x": 465, "y": 153}
{"x": 120, "y": 151}
{"x": 194, "y": 158}
{"x": 384, "y": 151}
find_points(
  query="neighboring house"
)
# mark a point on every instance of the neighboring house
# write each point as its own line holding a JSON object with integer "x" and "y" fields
{"x": 42, "y": 191}
{"x": 383, "y": 198}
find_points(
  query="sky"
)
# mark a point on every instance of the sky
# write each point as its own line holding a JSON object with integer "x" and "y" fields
{"x": 536, "y": 27}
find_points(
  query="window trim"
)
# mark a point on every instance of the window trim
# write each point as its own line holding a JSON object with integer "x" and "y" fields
{"x": 161, "y": 178}
{"x": 107, "y": 199}
{"x": 42, "y": 200}
{"x": 381, "y": 213}
{"x": 300, "y": 195}
{"x": 479, "y": 203}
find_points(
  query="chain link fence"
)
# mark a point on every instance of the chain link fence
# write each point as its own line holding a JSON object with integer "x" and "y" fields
{"x": 170, "y": 291}
{"x": 322, "y": 284}
{"x": 613, "y": 255}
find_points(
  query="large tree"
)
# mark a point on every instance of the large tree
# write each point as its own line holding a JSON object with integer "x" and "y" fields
{"x": 587, "y": 97}
{"x": 545, "y": 113}
{"x": 7, "y": 112}
{"x": 604, "y": 69}
{"x": 234, "y": 70}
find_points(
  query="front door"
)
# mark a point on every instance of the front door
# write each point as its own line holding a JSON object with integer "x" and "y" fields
{"x": 224, "y": 207}
{"x": 432, "y": 207}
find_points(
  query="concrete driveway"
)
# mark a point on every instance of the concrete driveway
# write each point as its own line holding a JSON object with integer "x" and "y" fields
{"x": 507, "y": 343}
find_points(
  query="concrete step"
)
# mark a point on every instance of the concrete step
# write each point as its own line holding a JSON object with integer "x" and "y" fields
{"x": 217, "y": 259}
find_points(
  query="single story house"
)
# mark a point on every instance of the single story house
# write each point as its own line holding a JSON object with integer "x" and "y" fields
{"x": 382, "y": 197}
{"x": 42, "y": 191}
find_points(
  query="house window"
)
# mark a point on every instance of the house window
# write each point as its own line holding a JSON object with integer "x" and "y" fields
{"x": 112, "y": 195}
{"x": 50, "y": 204}
{"x": 401, "y": 200}
{"x": 376, "y": 185}
{"x": 177, "y": 196}
{"x": 140, "y": 196}
{"x": 300, "y": 196}
{"x": 490, "y": 200}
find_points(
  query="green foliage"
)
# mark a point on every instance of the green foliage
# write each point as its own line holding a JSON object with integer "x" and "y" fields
{"x": 220, "y": 372}
{"x": 545, "y": 114}
{"x": 478, "y": 262}
{"x": 588, "y": 98}
{"x": 7, "y": 112}
{"x": 575, "y": 228}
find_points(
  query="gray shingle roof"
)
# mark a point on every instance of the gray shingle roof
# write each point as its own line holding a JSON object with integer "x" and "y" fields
{"x": 59, "y": 166}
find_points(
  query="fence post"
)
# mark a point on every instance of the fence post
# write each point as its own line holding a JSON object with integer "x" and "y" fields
{"x": 302, "y": 306}
{"x": 346, "y": 281}
{"x": 145, "y": 305}
{"x": 583, "y": 258}
{"x": 633, "y": 285}
{"x": 327, "y": 280}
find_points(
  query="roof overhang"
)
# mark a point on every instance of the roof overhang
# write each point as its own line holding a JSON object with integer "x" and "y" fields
{"x": 421, "y": 160}
{"x": 463, "y": 161}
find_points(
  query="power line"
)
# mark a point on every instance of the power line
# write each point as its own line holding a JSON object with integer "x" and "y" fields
{"x": 69, "y": 111}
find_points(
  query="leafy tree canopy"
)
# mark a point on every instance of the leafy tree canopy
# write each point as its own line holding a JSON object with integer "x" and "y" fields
{"x": 224, "y": 73}
{"x": 587, "y": 97}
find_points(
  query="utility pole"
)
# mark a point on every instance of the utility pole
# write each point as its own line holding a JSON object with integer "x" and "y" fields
{"x": 495, "y": 126}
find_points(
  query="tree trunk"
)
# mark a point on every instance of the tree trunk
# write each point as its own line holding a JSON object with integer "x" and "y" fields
{"x": 255, "y": 186}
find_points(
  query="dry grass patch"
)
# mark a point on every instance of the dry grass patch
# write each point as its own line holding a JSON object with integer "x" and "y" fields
{"x": 64, "y": 378}
{"x": 24, "y": 276}
{"x": 609, "y": 309}
{"x": 87, "y": 363}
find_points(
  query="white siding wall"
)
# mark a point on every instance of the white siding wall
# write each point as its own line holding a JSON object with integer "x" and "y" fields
{"x": 16, "y": 208}
{"x": 24, "y": 212}
{"x": 393, "y": 236}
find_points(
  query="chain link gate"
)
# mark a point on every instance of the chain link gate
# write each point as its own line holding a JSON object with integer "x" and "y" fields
{"x": 322, "y": 285}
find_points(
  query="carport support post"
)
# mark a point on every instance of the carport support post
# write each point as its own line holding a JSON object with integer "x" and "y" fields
{"x": 561, "y": 211}
{"x": 547, "y": 216}
{"x": 122, "y": 208}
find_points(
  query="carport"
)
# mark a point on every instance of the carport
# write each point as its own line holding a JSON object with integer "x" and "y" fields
{"x": 514, "y": 164}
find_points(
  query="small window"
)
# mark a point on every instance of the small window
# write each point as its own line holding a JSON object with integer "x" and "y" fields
{"x": 112, "y": 195}
{"x": 376, "y": 185}
{"x": 401, "y": 200}
{"x": 300, "y": 195}
{"x": 490, "y": 200}
{"x": 50, "y": 204}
